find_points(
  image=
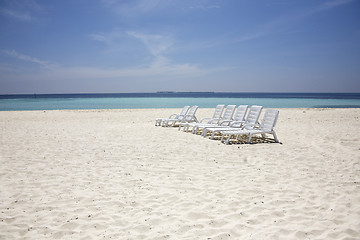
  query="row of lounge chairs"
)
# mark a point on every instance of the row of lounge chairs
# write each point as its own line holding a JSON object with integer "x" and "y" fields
{"x": 230, "y": 123}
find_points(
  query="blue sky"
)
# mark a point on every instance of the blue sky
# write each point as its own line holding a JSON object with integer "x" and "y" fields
{"x": 108, "y": 46}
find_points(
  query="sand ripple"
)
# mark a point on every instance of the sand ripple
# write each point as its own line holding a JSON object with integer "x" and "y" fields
{"x": 113, "y": 175}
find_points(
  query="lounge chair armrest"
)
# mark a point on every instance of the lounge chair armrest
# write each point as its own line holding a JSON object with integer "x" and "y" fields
{"x": 214, "y": 121}
{"x": 173, "y": 116}
{"x": 236, "y": 123}
{"x": 210, "y": 120}
{"x": 225, "y": 122}
{"x": 189, "y": 118}
{"x": 205, "y": 119}
{"x": 250, "y": 125}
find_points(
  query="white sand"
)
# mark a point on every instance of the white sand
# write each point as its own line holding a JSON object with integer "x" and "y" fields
{"x": 113, "y": 174}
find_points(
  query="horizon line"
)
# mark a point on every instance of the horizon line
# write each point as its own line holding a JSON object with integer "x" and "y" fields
{"x": 175, "y": 92}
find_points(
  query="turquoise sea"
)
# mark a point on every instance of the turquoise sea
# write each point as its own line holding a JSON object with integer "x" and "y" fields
{"x": 176, "y": 100}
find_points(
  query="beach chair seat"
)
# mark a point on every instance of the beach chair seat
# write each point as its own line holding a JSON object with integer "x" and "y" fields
{"x": 251, "y": 119}
{"x": 237, "y": 121}
{"x": 188, "y": 118}
{"x": 266, "y": 127}
{"x": 225, "y": 119}
{"x": 180, "y": 116}
{"x": 215, "y": 118}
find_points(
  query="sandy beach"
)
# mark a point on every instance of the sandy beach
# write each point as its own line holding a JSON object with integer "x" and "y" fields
{"x": 111, "y": 174}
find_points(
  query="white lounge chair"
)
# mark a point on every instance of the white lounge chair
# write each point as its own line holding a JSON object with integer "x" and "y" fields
{"x": 251, "y": 119}
{"x": 215, "y": 118}
{"x": 239, "y": 119}
{"x": 188, "y": 118}
{"x": 266, "y": 127}
{"x": 226, "y": 118}
{"x": 180, "y": 116}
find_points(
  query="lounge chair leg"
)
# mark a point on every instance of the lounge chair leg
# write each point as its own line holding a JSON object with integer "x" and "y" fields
{"x": 275, "y": 137}
{"x": 187, "y": 128}
{"x": 204, "y": 133}
{"x": 193, "y": 130}
{"x": 249, "y": 139}
{"x": 224, "y": 139}
{"x": 228, "y": 140}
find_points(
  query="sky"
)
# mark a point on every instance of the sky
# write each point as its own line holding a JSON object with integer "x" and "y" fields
{"x": 119, "y": 46}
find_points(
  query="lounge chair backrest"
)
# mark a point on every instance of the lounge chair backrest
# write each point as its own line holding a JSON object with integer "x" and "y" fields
{"x": 253, "y": 116}
{"x": 184, "y": 110}
{"x": 218, "y": 111}
{"x": 190, "y": 116}
{"x": 269, "y": 120}
{"x": 192, "y": 110}
{"x": 240, "y": 113}
{"x": 229, "y": 112}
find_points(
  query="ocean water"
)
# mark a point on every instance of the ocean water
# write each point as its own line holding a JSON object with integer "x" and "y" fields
{"x": 176, "y": 100}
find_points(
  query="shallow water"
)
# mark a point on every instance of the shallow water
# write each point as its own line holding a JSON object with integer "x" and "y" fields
{"x": 174, "y": 100}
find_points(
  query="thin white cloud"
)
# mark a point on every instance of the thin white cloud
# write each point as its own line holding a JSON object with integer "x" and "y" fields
{"x": 148, "y": 5}
{"x": 23, "y": 16}
{"x": 113, "y": 41}
{"x": 334, "y": 3}
{"x": 135, "y": 8}
{"x": 157, "y": 63}
{"x": 22, "y": 10}
{"x": 100, "y": 38}
{"x": 149, "y": 71}
{"x": 109, "y": 2}
{"x": 205, "y": 7}
{"x": 26, "y": 58}
{"x": 276, "y": 24}
{"x": 111, "y": 38}
{"x": 160, "y": 67}
{"x": 156, "y": 44}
